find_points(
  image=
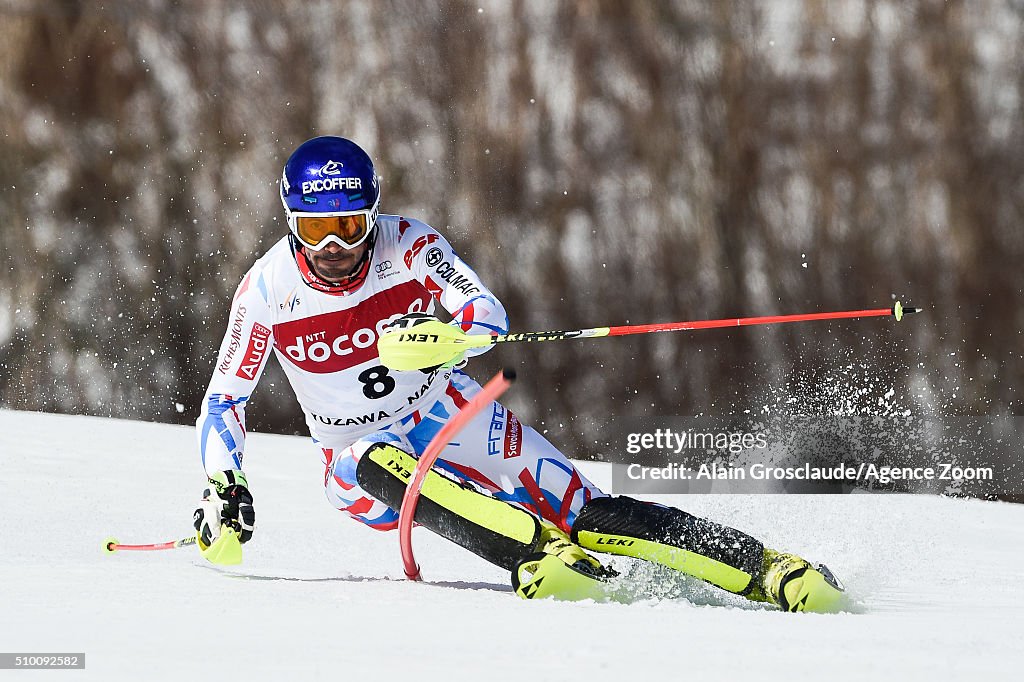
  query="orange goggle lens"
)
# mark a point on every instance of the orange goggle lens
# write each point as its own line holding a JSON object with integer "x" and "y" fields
{"x": 314, "y": 229}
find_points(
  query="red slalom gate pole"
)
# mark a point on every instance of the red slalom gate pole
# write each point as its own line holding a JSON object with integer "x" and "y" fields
{"x": 490, "y": 392}
{"x": 111, "y": 545}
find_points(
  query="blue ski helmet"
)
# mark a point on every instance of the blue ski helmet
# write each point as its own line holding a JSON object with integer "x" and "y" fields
{"x": 330, "y": 193}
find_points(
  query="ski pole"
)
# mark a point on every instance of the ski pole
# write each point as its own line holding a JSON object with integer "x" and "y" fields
{"x": 490, "y": 392}
{"x": 111, "y": 545}
{"x": 435, "y": 343}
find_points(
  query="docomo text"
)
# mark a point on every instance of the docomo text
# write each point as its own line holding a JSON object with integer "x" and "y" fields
{"x": 337, "y": 340}
{"x": 318, "y": 348}
{"x": 667, "y": 440}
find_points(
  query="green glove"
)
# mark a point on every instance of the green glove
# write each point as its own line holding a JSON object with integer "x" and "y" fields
{"x": 439, "y": 346}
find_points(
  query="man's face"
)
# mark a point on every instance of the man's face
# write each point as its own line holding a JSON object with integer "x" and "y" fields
{"x": 333, "y": 263}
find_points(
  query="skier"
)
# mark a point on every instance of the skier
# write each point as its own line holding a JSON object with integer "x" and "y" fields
{"x": 320, "y": 298}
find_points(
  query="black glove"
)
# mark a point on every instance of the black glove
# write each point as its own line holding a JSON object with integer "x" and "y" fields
{"x": 410, "y": 320}
{"x": 227, "y": 501}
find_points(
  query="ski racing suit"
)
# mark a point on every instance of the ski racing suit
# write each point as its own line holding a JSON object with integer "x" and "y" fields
{"x": 326, "y": 343}
{"x": 365, "y": 417}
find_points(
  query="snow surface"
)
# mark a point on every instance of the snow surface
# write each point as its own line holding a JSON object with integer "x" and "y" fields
{"x": 937, "y": 582}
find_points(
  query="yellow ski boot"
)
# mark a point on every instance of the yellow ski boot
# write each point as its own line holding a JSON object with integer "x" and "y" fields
{"x": 560, "y": 569}
{"x": 795, "y": 585}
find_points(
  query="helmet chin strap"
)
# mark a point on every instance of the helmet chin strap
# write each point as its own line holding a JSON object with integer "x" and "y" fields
{"x": 348, "y": 283}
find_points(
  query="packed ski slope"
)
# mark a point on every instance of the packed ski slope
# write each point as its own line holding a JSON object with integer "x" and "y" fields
{"x": 937, "y": 582}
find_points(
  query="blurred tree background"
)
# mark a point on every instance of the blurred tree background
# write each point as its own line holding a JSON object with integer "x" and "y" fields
{"x": 598, "y": 162}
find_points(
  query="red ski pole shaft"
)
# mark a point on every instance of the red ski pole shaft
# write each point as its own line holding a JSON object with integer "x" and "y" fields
{"x": 750, "y": 321}
{"x": 111, "y": 545}
{"x": 897, "y": 311}
{"x": 490, "y": 392}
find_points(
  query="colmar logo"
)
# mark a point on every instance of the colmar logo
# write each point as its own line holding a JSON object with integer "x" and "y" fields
{"x": 336, "y": 341}
{"x": 455, "y": 279}
{"x": 254, "y": 354}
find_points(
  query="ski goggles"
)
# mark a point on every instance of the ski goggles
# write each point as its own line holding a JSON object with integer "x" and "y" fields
{"x": 348, "y": 229}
